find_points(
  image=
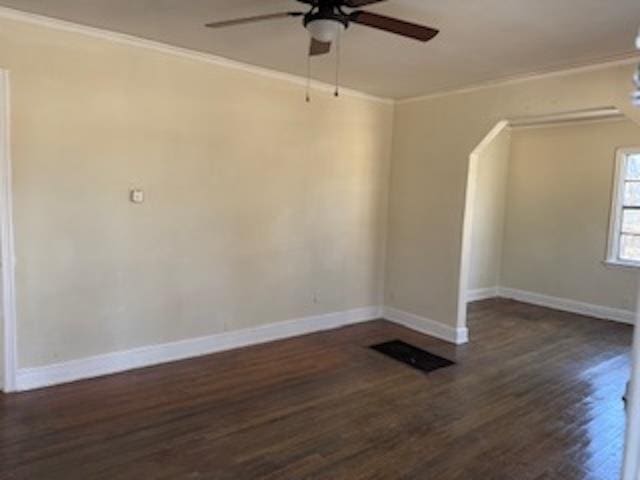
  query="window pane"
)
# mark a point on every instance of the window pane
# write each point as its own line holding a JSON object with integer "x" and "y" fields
{"x": 633, "y": 167}
{"x": 631, "y": 221}
{"x": 630, "y": 247}
{"x": 632, "y": 194}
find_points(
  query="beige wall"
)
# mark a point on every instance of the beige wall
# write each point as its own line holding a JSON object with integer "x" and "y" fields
{"x": 256, "y": 201}
{"x": 559, "y": 197}
{"x": 488, "y": 212}
{"x": 433, "y": 139}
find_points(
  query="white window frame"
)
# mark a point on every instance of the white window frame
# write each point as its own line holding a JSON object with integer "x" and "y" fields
{"x": 617, "y": 199}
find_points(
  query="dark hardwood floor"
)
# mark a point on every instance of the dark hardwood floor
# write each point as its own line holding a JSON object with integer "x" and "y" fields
{"x": 535, "y": 395}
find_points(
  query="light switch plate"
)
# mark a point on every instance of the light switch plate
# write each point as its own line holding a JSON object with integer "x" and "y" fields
{"x": 137, "y": 196}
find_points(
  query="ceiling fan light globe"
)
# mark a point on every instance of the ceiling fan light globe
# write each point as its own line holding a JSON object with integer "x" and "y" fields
{"x": 325, "y": 30}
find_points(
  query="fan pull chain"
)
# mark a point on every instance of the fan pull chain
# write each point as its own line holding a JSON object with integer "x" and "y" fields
{"x": 308, "y": 91}
{"x": 338, "y": 54}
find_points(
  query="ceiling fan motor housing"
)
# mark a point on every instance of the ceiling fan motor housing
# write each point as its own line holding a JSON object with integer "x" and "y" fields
{"x": 325, "y": 25}
{"x": 326, "y": 20}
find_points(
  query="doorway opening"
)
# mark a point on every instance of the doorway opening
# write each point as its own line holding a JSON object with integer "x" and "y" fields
{"x": 537, "y": 216}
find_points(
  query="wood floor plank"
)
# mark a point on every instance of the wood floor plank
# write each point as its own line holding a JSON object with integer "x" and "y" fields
{"x": 535, "y": 395}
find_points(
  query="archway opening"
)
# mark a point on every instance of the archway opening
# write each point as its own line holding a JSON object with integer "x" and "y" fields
{"x": 538, "y": 215}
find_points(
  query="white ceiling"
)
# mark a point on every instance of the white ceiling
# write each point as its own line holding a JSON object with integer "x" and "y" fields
{"x": 481, "y": 40}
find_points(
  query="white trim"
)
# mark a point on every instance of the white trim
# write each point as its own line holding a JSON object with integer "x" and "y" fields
{"x": 423, "y": 325}
{"x": 571, "y": 117}
{"x": 631, "y": 469}
{"x": 621, "y": 264}
{"x": 615, "y": 214}
{"x": 7, "y": 247}
{"x": 556, "y": 303}
{"x": 567, "y": 305}
{"x": 38, "y": 377}
{"x": 601, "y": 64}
{"x": 116, "y": 362}
{"x": 479, "y": 294}
{"x": 620, "y": 119}
{"x": 133, "y": 41}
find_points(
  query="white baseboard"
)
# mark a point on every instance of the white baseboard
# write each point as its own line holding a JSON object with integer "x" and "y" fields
{"x": 482, "y": 294}
{"x": 116, "y": 362}
{"x": 573, "y": 306}
{"x": 38, "y": 377}
{"x": 426, "y": 326}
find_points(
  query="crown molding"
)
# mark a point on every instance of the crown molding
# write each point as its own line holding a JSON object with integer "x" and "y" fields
{"x": 567, "y": 118}
{"x": 133, "y": 41}
{"x": 198, "y": 56}
{"x": 601, "y": 64}
{"x": 572, "y": 123}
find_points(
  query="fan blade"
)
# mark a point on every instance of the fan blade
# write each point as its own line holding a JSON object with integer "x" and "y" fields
{"x": 319, "y": 48}
{"x": 257, "y": 18}
{"x": 393, "y": 25}
{"x": 360, "y": 3}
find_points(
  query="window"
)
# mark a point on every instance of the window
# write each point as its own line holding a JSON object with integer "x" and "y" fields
{"x": 624, "y": 236}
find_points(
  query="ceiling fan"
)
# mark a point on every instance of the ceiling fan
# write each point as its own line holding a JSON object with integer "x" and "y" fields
{"x": 327, "y": 19}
